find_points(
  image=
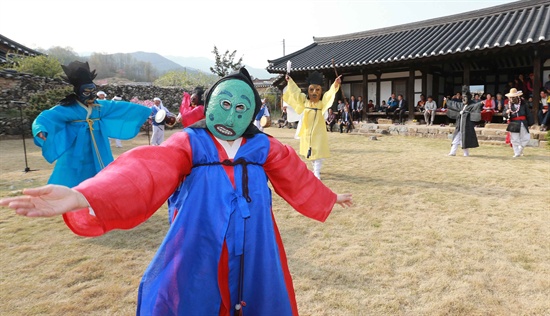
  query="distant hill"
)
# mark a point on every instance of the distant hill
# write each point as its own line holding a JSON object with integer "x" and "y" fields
{"x": 204, "y": 64}
{"x": 160, "y": 63}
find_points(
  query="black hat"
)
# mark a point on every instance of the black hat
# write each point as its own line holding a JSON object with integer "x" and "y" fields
{"x": 315, "y": 78}
{"x": 78, "y": 73}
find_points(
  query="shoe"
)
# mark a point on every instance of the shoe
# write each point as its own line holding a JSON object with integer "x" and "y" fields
{"x": 451, "y": 154}
{"x": 466, "y": 155}
{"x": 516, "y": 156}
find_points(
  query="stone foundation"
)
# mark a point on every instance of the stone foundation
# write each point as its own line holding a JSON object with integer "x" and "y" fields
{"x": 494, "y": 134}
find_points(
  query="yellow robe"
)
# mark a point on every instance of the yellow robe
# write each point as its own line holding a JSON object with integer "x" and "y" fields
{"x": 313, "y": 131}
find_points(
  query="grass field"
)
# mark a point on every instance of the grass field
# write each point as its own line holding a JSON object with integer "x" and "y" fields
{"x": 427, "y": 235}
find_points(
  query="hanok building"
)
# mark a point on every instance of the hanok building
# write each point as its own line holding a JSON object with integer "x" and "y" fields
{"x": 9, "y": 47}
{"x": 487, "y": 48}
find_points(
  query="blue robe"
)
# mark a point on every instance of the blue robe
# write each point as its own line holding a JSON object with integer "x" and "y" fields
{"x": 68, "y": 138}
{"x": 175, "y": 274}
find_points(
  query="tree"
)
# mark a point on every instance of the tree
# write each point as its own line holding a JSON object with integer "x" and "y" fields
{"x": 65, "y": 55}
{"x": 42, "y": 65}
{"x": 224, "y": 64}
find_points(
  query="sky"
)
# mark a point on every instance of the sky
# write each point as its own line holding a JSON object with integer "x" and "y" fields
{"x": 256, "y": 29}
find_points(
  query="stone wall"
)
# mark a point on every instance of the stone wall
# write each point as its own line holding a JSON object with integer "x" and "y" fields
{"x": 17, "y": 88}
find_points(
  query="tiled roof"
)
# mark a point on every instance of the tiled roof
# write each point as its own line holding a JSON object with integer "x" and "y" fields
{"x": 15, "y": 47}
{"x": 517, "y": 23}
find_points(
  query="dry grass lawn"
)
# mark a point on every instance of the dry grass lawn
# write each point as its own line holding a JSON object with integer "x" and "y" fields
{"x": 428, "y": 235}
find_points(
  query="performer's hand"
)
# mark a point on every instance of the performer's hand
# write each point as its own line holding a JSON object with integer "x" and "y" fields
{"x": 287, "y": 77}
{"x": 41, "y": 136}
{"x": 338, "y": 81}
{"x": 344, "y": 200}
{"x": 46, "y": 201}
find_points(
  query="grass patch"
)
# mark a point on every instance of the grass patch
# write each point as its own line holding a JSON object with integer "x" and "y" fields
{"x": 428, "y": 235}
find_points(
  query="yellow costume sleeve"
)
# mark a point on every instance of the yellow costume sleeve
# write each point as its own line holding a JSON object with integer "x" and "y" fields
{"x": 294, "y": 97}
{"x": 328, "y": 97}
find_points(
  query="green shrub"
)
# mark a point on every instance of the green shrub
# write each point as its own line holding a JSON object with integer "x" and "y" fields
{"x": 44, "y": 66}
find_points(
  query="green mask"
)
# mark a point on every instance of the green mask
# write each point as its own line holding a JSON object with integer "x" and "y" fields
{"x": 230, "y": 109}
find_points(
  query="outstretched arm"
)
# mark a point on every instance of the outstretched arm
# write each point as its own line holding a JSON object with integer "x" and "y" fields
{"x": 298, "y": 186}
{"x": 123, "y": 195}
{"x": 46, "y": 201}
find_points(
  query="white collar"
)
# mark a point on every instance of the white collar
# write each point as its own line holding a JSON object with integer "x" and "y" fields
{"x": 230, "y": 149}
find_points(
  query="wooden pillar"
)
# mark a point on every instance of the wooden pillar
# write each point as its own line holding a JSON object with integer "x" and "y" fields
{"x": 536, "y": 84}
{"x": 410, "y": 93}
{"x": 466, "y": 78}
{"x": 365, "y": 89}
{"x": 378, "y": 97}
{"x": 425, "y": 82}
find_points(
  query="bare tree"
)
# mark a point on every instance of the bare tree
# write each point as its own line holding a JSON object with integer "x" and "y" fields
{"x": 225, "y": 64}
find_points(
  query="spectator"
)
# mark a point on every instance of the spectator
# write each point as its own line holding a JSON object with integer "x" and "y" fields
{"x": 529, "y": 84}
{"x": 499, "y": 103}
{"x": 346, "y": 121}
{"x": 457, "y": 97}
{"x": 383, "y": 106}
{"x": 429, "y": 111}
{"x": 392, "y": 105}
{"x": 101, "y": 95}
{"x": 370, "y": 106}
{"x": 340, "y": 107}
{"x": 360, "y": 107}
{"x": 420, "y": 104}
{"x": 331, "y": 120}
{"x": 118, "y": 143}
{"x": 547, "y": 85}
{"x": 520, "y": 83}
{"x": 282, "y": 122}
{"x": 402, "y": 107}
{"x": 488, "y": 109}
{"x": 543, "y": 114}
{"x": 353, "y": 108}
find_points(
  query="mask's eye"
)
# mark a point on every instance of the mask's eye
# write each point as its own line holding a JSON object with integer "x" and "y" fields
{"x": 226, "y": 104}
{"x": 240, "y": 108}
{"x": 87, "y": 92}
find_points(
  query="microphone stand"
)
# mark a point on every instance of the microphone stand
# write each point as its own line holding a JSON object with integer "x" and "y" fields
{"x": 20, "y": 105}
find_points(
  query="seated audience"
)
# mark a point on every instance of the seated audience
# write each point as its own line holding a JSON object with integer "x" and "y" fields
{"x": 429, "y": 111}
{"x": 345, "y": 121}
{"x": 331, "y": 120}
{"x": 488, "y": 109}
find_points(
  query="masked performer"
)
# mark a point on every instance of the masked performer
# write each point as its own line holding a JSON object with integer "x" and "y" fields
{"x": 191, "y": 108}
{"x": 223, "y": 253}
{"x": 465, "y": 113}
{"x": 519, "y": 118}
{"x": 312, "y": 132}
{"x": 76, "y": 132}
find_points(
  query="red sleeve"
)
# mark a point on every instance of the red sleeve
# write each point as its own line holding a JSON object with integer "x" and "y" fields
{"x": 133, "y": 187}
{"x": 296, "y": 184}
{"x": 192, "y": 116}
